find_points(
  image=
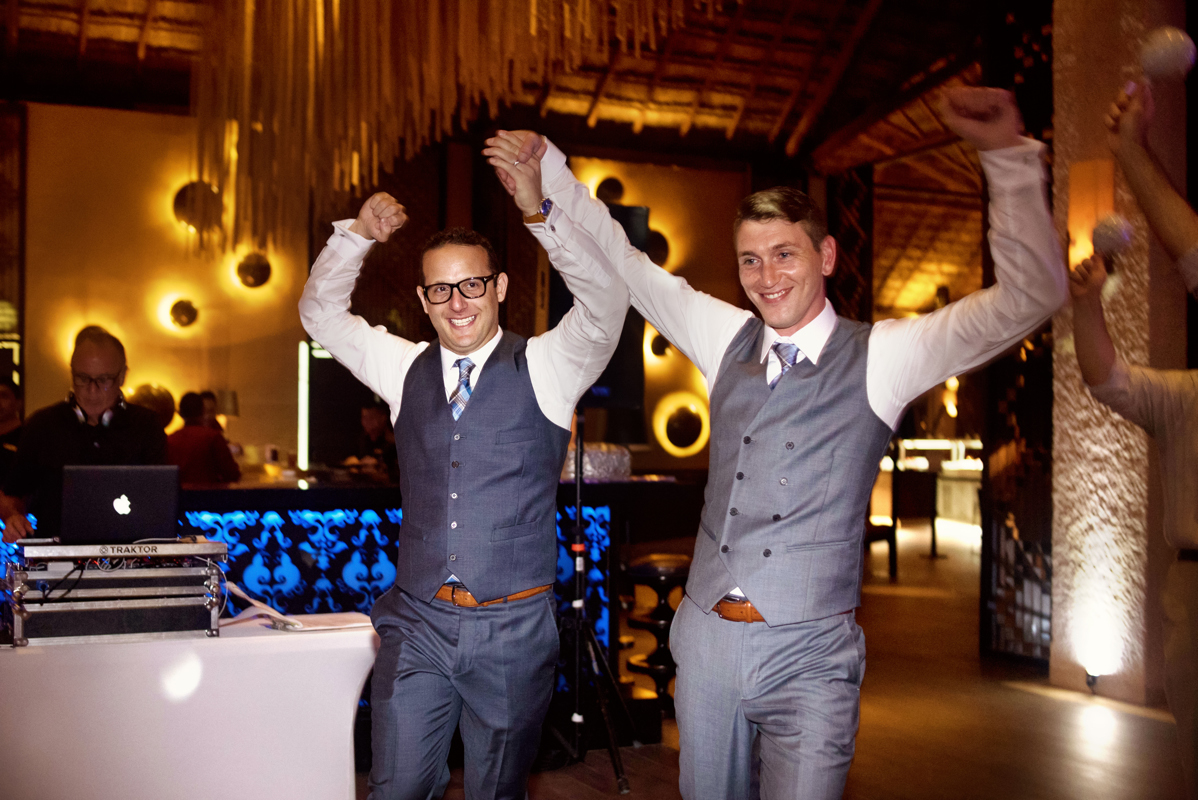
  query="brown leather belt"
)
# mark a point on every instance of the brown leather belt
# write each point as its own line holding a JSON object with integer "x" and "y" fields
{"x": 459, "y": 595}
{"x": 737, "y": 611}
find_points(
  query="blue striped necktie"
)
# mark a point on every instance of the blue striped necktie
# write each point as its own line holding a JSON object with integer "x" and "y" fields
{"x": 787, "y": 354}
{"x": 461, "y": 395}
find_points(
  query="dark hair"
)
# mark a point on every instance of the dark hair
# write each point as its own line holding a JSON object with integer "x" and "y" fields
{"x": 785, "y": 203}
{"x": 208, "y": 394}
{"x": 191, "y": 406}
{"x": 461, "y": 237}
{"x": 11, "y": 385}
{"x": 98, "y": 336}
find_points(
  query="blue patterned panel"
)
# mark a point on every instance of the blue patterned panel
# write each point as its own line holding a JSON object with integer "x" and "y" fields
{"x": 597, "y": 531}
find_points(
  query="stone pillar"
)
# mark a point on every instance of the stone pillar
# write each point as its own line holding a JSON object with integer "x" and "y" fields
{"x": 1109, "y": 556}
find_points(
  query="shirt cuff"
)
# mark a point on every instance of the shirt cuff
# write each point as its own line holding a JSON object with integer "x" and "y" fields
{"x": 1009, "y": 168}
{"x": 348, "y": 244}
{"x": 555, "y": 231}
{"x": 1187, "y": 265}
{"x": 1115, "y": 385}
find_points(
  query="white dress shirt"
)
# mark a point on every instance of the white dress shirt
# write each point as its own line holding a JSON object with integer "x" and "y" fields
{"x": 906, "y": 356}
{"x": 562, "y": 363}
{"x": 1164, "y": 402}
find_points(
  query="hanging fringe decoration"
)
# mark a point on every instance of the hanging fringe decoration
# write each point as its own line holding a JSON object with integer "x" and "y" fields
{"x": 307, "y": 98}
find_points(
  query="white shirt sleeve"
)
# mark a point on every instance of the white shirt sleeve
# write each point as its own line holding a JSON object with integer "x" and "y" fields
{"x": 565, "y": 361}
{"x": 375, "y": 357}
{"x": 699, "y": 325}
{"x": 909, "y": 356}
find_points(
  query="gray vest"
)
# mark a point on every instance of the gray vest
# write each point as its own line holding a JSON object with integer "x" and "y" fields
{"x": 791, "y": 471}
{"x": 479, "y": 494}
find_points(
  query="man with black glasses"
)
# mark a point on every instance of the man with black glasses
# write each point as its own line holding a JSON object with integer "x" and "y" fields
{"x": 482, "y": 421}
{"x": 93, "y": 426}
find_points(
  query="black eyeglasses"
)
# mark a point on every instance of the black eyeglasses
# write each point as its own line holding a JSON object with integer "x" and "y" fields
{"x": 470, "y": 288}
{"x": 101, "y": 382}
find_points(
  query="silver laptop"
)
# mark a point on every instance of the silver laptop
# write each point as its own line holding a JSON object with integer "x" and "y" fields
{"x": 119, "y": 505}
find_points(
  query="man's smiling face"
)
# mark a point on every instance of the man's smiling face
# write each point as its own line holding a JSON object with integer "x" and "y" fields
{"x": 463, "y": 325}
{"x": 783, "y": 272}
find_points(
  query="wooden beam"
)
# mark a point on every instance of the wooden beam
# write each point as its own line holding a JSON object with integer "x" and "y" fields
{"x": 757, "y": 73}
{"x": 151, "y": 10}
{"x": 801, "y": 86}
{"x": 13, "y": 24}
{"x": 895, "y": 101}
{"x": 934, "y": 142}
{"x": 593, "y": 112}
{"x": 916, "y": 229}
{"x": 663, "y": 59}
{"x": 839, "y": 67}
{"x": 721, "y": 51}
{"x": 84, "y": 13}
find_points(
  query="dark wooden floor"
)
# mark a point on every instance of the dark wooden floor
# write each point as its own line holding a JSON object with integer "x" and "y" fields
{"x": 936, "y": 722}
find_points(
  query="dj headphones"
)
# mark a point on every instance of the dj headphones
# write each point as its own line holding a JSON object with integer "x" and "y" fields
{"x": 105, "y": 418}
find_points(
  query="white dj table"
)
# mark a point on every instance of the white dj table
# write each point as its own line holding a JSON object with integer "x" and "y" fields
{"x": 255, "y": 714}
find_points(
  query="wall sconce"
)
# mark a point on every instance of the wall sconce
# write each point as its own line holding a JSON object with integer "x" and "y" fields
{"x": 184, "y": 313}
{"x": 199, "y": 207}
{"x": 254, "y": 270}
{"x": 1091, "y": 198}
{"x": 659, "y": 346}
{"x": 658, "y": 248}
{"x": 610, "y": 190}
{"x": 156, "y": 398}
{"x": 681, "y": 424}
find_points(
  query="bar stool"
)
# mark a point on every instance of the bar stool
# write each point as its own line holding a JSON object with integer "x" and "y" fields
{"x": 661, "y": 572}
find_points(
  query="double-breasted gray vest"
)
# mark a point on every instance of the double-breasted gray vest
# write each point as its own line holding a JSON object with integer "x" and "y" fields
{"x": 479, "y": 493}
{"x": 791, "y": 471}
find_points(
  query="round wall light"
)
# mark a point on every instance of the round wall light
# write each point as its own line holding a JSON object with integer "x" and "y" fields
{"x": 253, "y": 270}
{"x": 184, "y": 313}
{"x": 198, "y": 206}
{"x": 658, "y": 248}
{"x": 681, "y": 424}
{"x": 610, "y": 190}
{"x": 659, "y": 346}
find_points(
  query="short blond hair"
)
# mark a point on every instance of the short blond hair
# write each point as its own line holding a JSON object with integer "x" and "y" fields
{"x": 784, "y": 203}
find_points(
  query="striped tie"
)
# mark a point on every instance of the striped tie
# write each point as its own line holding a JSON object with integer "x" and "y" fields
{"x": 787, "y": 354}
{"x": 461, "y": 395}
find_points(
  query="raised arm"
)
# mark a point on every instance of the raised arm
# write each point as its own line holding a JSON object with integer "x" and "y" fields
{"x": 909, "y": 356}
{"x": 699, "y": 325}
{"x": 1167, "y": 212}
{"x": 1095, "y": 351}
{"x": 565, "y": 361}
{"x": 373, "y": 355}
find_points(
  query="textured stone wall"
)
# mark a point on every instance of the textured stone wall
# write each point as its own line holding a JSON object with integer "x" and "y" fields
{"x": 1105, "y": 614}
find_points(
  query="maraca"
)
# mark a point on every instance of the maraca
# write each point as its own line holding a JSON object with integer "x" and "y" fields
{"x": 1167, "y": 52}
{"x": 1112, "y": 235}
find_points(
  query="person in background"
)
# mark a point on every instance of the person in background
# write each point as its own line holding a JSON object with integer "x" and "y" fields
{"x": 210, "y": 421}
{"x": 201, "y": 452}
{"x": 1162, "y": 402}
{"x": 92, "y": 426}
{"x": 376, "y": 443}
{"x": 11, "y": 406}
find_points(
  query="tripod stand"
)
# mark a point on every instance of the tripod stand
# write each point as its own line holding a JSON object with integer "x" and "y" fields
{"x": 590, "y": 666}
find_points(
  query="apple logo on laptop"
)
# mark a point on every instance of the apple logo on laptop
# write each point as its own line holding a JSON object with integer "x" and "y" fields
{"x": 122, "y": 505}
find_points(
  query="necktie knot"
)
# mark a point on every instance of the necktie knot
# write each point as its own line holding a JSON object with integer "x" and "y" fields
{"x": 787, "y": 354}
{"x": 461, "y": 395}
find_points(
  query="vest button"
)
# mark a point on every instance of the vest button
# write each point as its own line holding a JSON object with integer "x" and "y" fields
{"x": 724, "y": 549}
{"x": 453, "y": 525}
{"x": 783, "y": 481}
{"x": 733, "y": 512}
{"x": 740, "y": 476}
{"x": 454, "y": 496}
{"x": 777, "y": 517}
{"x": 767, "y": 553}
{"x": 457, "y": 436}
{"x": 748, "y": 439}
{"x": 790, "y": 445}
{"x": 453, "y": 557}
{"x": 454, "y": 465}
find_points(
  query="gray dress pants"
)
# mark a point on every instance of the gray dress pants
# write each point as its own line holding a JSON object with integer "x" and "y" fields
{"x": 787, "y": 695}
{"x": 489, "y": 669}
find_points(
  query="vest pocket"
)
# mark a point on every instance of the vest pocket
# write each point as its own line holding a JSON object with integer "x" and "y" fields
{"x": 514, "y": 531}
{"x": 515, "y": 435}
